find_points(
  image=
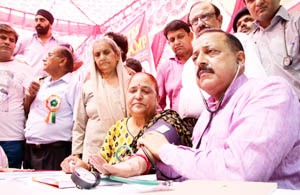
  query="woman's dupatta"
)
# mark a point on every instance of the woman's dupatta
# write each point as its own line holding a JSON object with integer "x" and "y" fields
{"x": 105, "y": 111}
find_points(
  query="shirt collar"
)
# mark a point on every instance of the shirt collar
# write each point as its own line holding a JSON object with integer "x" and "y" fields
{"x": 66, "y": 78}
{"x": 176, "y": 59}
{"x": 237, "y": 83}
{"x": 36, "y": 36}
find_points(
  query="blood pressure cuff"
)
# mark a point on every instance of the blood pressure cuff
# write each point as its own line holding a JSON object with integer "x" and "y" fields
{"x": 167, "y": 130}
{"x": 171, "y": 135}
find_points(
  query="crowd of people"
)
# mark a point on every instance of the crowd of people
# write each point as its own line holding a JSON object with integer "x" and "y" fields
{"x": 229, "y": 96}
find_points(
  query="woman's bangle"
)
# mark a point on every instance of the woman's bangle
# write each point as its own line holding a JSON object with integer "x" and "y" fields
{"x": 146, "y": 160}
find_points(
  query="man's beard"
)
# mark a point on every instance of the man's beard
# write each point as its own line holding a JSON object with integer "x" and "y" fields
{"x": 42, "y": 30}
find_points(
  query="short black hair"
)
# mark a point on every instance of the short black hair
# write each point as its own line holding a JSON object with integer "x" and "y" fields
{"x": 6, "y": 29}
{"x": 134, "y": 64}
{"x": 233, "y": 42}
{"x": 216, "y": 9}
{"x": 176, "y": 25}
{"x": 241, "y": 13}
{"x": 65, "y": 52}
{"x": 121, "y": 41}
{"x": 69, "y": 46}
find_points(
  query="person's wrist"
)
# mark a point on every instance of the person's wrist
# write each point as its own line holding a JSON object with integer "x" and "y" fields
{"x": 146, "y": 160}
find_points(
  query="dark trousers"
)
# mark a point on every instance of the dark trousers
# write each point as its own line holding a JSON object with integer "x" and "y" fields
{"x": 14, "y": 151}
{"x": 46, "y": 156}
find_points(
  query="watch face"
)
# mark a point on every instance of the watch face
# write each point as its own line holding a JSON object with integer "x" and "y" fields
{"x": 85, "y": 175}
{"x": 287, "y": 60}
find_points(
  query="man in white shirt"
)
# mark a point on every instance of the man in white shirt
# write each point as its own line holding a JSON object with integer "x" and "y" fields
{"x": 14, "y": 80}
{"x": 50, "y": 121}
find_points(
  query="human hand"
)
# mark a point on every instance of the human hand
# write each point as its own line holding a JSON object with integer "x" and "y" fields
{"x": 153, "y": 141}
{"x": 69, "y": 164}
{"x": 133, "y": 166}
{"x": 122, "y": 169}
{"x": 97, "y": 161}
{"x": 33, "y": 88}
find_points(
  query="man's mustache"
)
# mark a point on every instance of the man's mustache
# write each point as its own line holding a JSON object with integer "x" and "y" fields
{"x": 206, "y": 68}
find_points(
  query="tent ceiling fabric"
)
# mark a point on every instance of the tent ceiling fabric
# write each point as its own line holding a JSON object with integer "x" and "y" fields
{"x": 82, "y": 11}
{"x": 90, "y": 18}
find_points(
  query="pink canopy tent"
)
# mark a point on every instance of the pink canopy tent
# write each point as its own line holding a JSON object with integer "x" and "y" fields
{"x": 81, "y": 21}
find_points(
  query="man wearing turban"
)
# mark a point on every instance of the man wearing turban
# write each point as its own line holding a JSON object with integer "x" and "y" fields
{"x": 43, "y": 22}
{"x": 34, "y": 48}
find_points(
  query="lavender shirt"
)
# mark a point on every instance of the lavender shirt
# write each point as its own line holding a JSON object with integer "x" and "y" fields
{"x": 255, "y": 136}
{"x": 169, "y": 82}
{"x": 34, "y": 51}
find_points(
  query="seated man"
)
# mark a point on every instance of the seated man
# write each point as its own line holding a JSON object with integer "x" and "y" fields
{"x": 243, "y": 134}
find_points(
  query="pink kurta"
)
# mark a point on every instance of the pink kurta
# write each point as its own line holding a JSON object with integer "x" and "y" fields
{"x": 255, "y": 136}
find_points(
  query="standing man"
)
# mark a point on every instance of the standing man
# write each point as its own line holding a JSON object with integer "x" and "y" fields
{"x": 276, "y": 35}
{"x": 243, "y": 21}
{"x": 14, "y": 80}
{"x": 168, "y": 77}
{"x": 36, "y": 47}
{"x": 50, "y": 121}
{"x": 205, "y": 15}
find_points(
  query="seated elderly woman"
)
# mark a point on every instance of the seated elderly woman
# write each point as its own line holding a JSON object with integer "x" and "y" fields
{"x": 142, "y": 102}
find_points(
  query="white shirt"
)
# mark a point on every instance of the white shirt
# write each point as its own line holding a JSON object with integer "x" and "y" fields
{"x": 39, "y": 131}
{"x": 15, "y": 78}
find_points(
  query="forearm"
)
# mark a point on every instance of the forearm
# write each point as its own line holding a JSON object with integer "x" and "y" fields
{"x": 27, "y": 103}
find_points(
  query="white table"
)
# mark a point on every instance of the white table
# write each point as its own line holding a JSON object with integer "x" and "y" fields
{"x": 21, "y": 183}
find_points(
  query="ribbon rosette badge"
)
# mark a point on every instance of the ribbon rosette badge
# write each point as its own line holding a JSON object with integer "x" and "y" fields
{"x": 52, "y": 103}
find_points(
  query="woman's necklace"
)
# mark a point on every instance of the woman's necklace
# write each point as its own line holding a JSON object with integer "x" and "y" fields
{"x": 133, "y": 130}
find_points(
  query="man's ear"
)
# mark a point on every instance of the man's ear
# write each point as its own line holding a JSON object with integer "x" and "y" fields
{"x": 191, "y": 35}
{"x": 220, "y": 19}
{"x": 158, "y": 98}
{"x": 240, "y": 56}
{"x": 63, "y": 61}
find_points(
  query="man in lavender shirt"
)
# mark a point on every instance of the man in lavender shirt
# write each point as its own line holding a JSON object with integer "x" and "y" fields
{"x": 37, "y": 46}
{"x": 179, "y": 37}
{"x": 250, "y": 130}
